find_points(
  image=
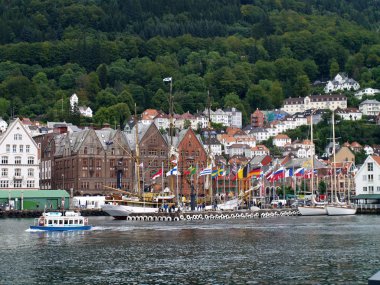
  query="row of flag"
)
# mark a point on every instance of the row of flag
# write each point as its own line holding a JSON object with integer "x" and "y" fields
{"x": 243, "y": 173}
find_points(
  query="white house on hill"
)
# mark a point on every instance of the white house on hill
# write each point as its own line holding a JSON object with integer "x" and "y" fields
{"x": 83, "y": 110}
{"x": 341, "y": 82}
{"x": 366, "y": 92}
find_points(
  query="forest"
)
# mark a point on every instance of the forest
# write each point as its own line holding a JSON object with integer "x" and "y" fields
{"x": 248, "y": 54}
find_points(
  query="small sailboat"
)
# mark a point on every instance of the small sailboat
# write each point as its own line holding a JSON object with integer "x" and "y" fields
{"x": 316, "y": 208}
{"x": 337, "y": 208}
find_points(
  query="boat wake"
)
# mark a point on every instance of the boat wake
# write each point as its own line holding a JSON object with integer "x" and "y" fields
{"x": 34, "y": 230}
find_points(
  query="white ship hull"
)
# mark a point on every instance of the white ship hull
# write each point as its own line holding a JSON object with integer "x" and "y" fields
{"x": 312, "y": 211}
{"x": 340, "y": 211}
{"x": 123, "y": 211}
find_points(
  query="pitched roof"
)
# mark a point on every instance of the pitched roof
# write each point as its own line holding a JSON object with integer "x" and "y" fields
{"x": 376, "y": 158}
{"x": 281, "y": 136}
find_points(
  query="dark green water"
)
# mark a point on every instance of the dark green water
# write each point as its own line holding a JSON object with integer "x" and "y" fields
{"x": 283, "y": 250}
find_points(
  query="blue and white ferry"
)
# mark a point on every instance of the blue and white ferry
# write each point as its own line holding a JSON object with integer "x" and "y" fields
{"x": 57, "y": 221}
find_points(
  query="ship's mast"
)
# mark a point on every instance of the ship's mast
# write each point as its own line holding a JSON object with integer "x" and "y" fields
{"x": 333, "y": 194}
{"x": 137, "y": 152}
{"x": 209, "y": 158}
{"x": 312, "y": 156}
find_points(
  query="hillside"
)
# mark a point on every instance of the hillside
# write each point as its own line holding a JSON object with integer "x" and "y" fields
{"x": 249, "y": 54}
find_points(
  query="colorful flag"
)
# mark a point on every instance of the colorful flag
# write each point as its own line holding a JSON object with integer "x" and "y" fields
{"x": 299, "y": 172}
{"x": 240, "y": 173}
{"x": 190, "y": 171}
{"x": 174, "y": 162}
{"x": 206, "y": 171}
{"x": 289, "y": 172}
{"x": 279, "y": 174}
{"x": 157, "y": 174}
{"x": 217, "y": 172}
{"x": 173, "y": 171}
{"x": 255, "y": 172}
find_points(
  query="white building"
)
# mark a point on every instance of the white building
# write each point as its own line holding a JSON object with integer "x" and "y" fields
{"x": 366, "y": 92}
{"x": 258, "y": 150}
{"x": 215, "y": 145}
{"x": 281, "y": 140}
{"x": 367, "y": 179}
{"x": 261, "y": 134}
{"x": 19, "y": 159}
{"x": 349, "y": 114}
{"x": 234, "y": 117}
{"x": 237, "y": 149}
{"x": 162, "y": 121}
{"x": 332, "y": 102}
{"x": 83, "y": 110}
{"x": 370, "y": 107}
{"x": 229, "y": 117}
{"x": 341, "y": 82}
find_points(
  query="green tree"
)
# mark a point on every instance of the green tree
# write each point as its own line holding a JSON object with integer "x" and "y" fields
{"x": 4, "y": 107}
{"x": 302, "y": 86}
{"x": 334, "y": 68}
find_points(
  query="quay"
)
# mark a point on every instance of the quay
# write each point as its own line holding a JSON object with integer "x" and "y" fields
{"x": 213, "y": 215}
{"x": 38, "y": 213}
{"x": 368, "y": 209}
{"x": 176, "y": 216}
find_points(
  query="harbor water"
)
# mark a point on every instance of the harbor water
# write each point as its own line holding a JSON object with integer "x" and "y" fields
{"x": 281, "y": 250}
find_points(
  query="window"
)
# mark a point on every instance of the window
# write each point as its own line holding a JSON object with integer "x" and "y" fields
{"x": 370, "y": 189}
{"x": 370, "y": 166}
{"x": 370, "y": 177}
{"x": 364, "y": 189}
{"x": 85, "y": 150}
{"x": 17, "y": 171}
{"x": 17, "y": 159}
{"x": 30, "y": 172}
{"x": 378, "y": 189}
{"x": 4, "y": 183}
{"x": 21, "y": 148}
{"x": 30, "y": 160}
{"x": 4, "y": 172}
{"x": 27, "y": 148}
{"x": 17, "y": 184}
{"x": 17, "y": 137}
{"x": 8, "y": 148}
{"x": 14, "y": 148}
{"x": 30, "y": 184}
{"x": 4, "y": 160}
{"x": 364, "y": 177}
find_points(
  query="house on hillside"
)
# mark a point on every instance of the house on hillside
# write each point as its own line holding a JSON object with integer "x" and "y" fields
{"x": 341, "y": 82}
{"x": 281, "y": 140}
{"x": 257, "y": 119}
{"x": 83, "y": 110}
{"x": 366, "y": 92}
{"x": 370, "y": 107}
{"x": 349, "y": 114}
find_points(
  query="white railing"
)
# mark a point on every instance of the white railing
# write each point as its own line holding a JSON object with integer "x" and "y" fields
{"x": 368, "y": 206}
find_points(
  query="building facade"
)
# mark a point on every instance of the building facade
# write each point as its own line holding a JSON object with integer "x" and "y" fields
{"x": 20, "y": 158}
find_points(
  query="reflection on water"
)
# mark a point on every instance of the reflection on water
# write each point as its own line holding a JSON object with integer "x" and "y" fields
{"x": 286, "y": 250}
